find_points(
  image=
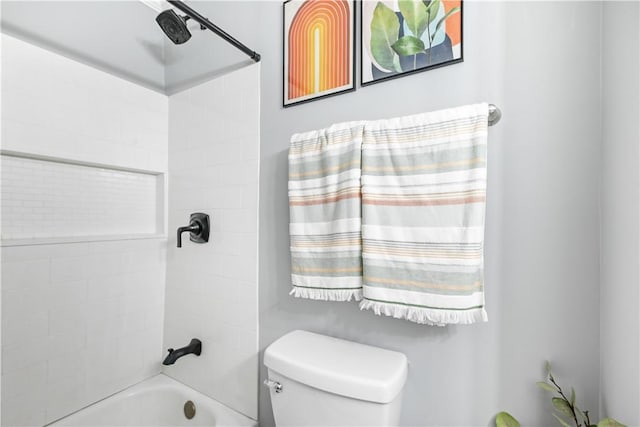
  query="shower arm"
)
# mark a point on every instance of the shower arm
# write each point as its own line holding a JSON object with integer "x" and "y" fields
{"x": 204, "y": 22}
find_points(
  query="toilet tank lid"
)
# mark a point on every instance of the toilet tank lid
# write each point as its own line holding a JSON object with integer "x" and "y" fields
{"x": 337, "y": 366}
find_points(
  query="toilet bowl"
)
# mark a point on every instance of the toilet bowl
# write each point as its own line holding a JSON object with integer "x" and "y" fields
{"x": 316, "y": 380}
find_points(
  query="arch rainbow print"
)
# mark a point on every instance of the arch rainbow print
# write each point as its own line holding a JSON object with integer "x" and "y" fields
{"x": 318, "y": 49}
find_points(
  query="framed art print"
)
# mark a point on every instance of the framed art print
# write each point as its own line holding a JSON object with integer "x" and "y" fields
{"x": 318, "y": 49}
{"x": 408, "y": 36}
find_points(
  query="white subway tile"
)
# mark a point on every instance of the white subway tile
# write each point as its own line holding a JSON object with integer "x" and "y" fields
{"x": 33, "y": 325}
{"x": 70, "y": 294}
{"x": 100, "y": 289}
{"x": 106, "y": 328}
{"x": 27, "y": 273}
{"x": 70, "y": 365}
{"x": 65, "y": 269}
{"x": 64, "y": 397}
{"x": 24, "y": 381}
{"x": 240, "y": 221}
{"x": 57, "y": 199}
{"x": 26, "y": 353}
{"x": 26, "y": 410}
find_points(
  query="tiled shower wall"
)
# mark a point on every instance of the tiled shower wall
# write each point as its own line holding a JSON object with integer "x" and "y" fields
{"x": 53, "y": 106}
{"x": 80, "y": 319}
{"x": 214, "y": 148}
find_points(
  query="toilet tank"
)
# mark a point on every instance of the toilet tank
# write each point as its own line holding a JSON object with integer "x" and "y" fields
{"x": 316, "y": 380}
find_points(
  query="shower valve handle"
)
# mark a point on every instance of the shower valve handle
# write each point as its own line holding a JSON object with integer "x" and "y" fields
{"x": 191, "y": 228}
{"x": 198, "y": 228}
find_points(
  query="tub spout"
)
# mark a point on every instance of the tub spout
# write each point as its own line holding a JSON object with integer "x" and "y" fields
{"x": 194, "y": 347}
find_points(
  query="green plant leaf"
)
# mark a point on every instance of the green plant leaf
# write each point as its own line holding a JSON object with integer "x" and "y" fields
{"x": 444, "y": 18}
{"x": 563, "y": 422}
{"x": 546, "y": 386}
{"x": 385, "y": 27}
{"x": 408, "y": 45}
{"x": 504, "y": 419}
{"x": 415, "y": 15}
{"x": 562, "y": 406}
{"x": 547, "y": 367}
{"x": 432, "y": 9}
{"x": 610, "y": 422}
{"x": 573, "y": 397}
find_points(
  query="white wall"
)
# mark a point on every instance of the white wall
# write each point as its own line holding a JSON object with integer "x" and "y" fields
{"x": 620, "y": 210}
{"x": 214, "y": 149}
{"x": 80, "y": 319}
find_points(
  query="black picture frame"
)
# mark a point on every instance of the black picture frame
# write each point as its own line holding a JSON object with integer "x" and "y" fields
{"x": 284, "y": 80}
{"x": 409, "y": 72}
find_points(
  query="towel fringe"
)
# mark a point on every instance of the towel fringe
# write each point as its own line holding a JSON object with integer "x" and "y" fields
{"x": 327, "y": 294}
{"x": 425, "y": 316}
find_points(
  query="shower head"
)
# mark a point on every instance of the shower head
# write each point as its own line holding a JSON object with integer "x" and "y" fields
{"x": 174, "y": 26}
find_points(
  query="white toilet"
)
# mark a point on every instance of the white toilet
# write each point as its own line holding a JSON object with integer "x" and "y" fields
{"x": 315, "y": 380}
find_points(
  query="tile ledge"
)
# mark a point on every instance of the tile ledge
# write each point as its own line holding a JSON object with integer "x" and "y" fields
{"x": 79, "y": 239}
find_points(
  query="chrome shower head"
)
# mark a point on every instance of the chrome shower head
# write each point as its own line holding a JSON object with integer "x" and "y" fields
{"x": 174, "y": 26}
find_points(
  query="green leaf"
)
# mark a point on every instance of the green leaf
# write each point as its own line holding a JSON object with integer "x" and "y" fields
{"x": 573, "y": 397}
{"x": 444, "y": 18}
{"x": 432, "y": 9}
{"x": 408, "y": 45}
{"x": 546, "y": 386}
{"x": 563, "y": 422}
{"x": 547, "y": 367}
{"x": 415, "y": 15}
{"x": 385, "y": 27}
{"x": 562, "y": 406}
{"x": 610, "y": 422}
{"x": 504, "y": 419}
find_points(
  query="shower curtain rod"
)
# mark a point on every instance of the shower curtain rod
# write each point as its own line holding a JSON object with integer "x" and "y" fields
{"x": 494, "y": 115}
{"x": 217, "y": 30}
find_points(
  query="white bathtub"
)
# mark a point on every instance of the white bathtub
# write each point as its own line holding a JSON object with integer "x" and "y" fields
{"x": 158, "y": 401}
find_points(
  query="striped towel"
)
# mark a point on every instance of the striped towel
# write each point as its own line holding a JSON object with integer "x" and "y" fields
{"x": 423, "y": 198}
{"x": 325, "y": 213}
